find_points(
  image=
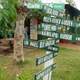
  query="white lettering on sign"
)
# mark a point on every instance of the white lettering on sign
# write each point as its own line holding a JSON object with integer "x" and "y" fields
{"x": 67, "y": 22}
{"x": 47, "y": 19}
{"x": 77, "y": 24}
{"x": 33, "y": 6}
{"x": 47, "y": 27}
{"x": 49, "y": 42}
{"x": 42, "y": 44}
{"x": 53, "y": 28}
{"x": 66, "y": 36}
{"x": 26, "y": 42}
{"x": 44, "y": 59}
{"x": 45, "y": 33}
{"x": 56, "y": 21}
{"x": 55, "y": 35}
{"x": 49, "y": 34}
{"x": 59, "y": 21}
{"x": 45, "y": 43}
{"x": 41, "y": 74}
{"x": 78, "y": 38}
{"x": 61, "y": 14}
{"x": 34, "y": 43}
{"x": 55, "y": 13}
{"x": 51, "y": 11}
{"x": 53, "y": 48}
{"x": 48, "y": 10}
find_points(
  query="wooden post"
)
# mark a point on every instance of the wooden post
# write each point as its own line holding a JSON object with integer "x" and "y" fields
{"x": 47, "y": 64}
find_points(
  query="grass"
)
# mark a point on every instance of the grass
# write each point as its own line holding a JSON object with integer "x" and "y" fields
{"x": 67, "y": 68}
{"x": 68, "y": 65}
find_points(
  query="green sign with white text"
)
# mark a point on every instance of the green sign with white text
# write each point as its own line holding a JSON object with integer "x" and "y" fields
{"x": 59, "y": 6}
{"x": 33, "y": 5}
{"x": 41, "y": 74}
{"x": 41, "y": 60}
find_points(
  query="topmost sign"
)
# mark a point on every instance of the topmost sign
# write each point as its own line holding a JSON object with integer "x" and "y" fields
{"x": 56, "y": 6}
{"x": 33, "y": 5}
{"x": 59, "y": 6}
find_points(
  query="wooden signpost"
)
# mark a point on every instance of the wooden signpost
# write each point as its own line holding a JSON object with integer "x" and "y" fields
{"x": 47, "y": 70}
{"x": 49, "y": 29}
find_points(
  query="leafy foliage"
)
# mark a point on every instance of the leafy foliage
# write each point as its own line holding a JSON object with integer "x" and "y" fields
{"x": 7, "y": 16}
{"x": 9, "y": 12}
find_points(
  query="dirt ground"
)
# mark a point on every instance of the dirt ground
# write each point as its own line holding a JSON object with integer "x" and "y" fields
{"x": 70, "y": 46}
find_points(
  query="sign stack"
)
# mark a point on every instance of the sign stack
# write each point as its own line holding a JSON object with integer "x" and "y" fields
{"x": 56, "y": 16}
{"x": 49, "y": 29}
{"x": 49, "y": 44}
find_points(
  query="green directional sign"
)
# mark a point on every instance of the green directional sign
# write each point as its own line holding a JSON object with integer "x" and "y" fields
{"x": 59, "y": 6}
{"x": 49, "y": 34}
{"x": 47, "y": 9}
{"x": 43, "y": 73}
{"x": 47, "y": 27}
{"x": 66, "y": 36}
{"x": 47, "y": 19}
{"x": 34, "y": 43}
{"x": 50, "y": 11}
{"x": 33, "y": 5}
{"x": 41, "y": 60}
{"x": 77, "y": 38}
{"x": 47, "y": 42}
{"x": 53, "y": 9}
{"x": 59, "y": 21}
{"x": 67, "y": 23}
{"x": 77, "y": 24}
{"x": 53, "y": 48}
{"x": 26, "y": 42}
{"x": 52, "y": 20}
{"x": 63, "y": 22}
{"x": 41, "y": 43}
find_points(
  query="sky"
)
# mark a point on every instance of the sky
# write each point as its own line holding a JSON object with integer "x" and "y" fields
{"x": 77, "y": 2}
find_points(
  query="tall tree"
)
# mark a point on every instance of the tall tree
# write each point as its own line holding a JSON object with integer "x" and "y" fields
{"x": 8, "y": 16}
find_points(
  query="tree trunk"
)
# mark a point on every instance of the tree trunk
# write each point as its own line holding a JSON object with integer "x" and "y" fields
{"x": 18, "y": 39}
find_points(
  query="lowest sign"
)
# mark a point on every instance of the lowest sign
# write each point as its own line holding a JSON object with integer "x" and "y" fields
{"x": 43, "y": 73}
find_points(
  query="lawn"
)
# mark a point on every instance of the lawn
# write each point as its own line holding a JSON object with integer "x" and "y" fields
{"x": 67, "y": 68}
{"x": 68, "y": 65}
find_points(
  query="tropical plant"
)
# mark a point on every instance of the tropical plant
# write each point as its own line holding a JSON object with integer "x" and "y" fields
{"x": 7, "y": 16}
